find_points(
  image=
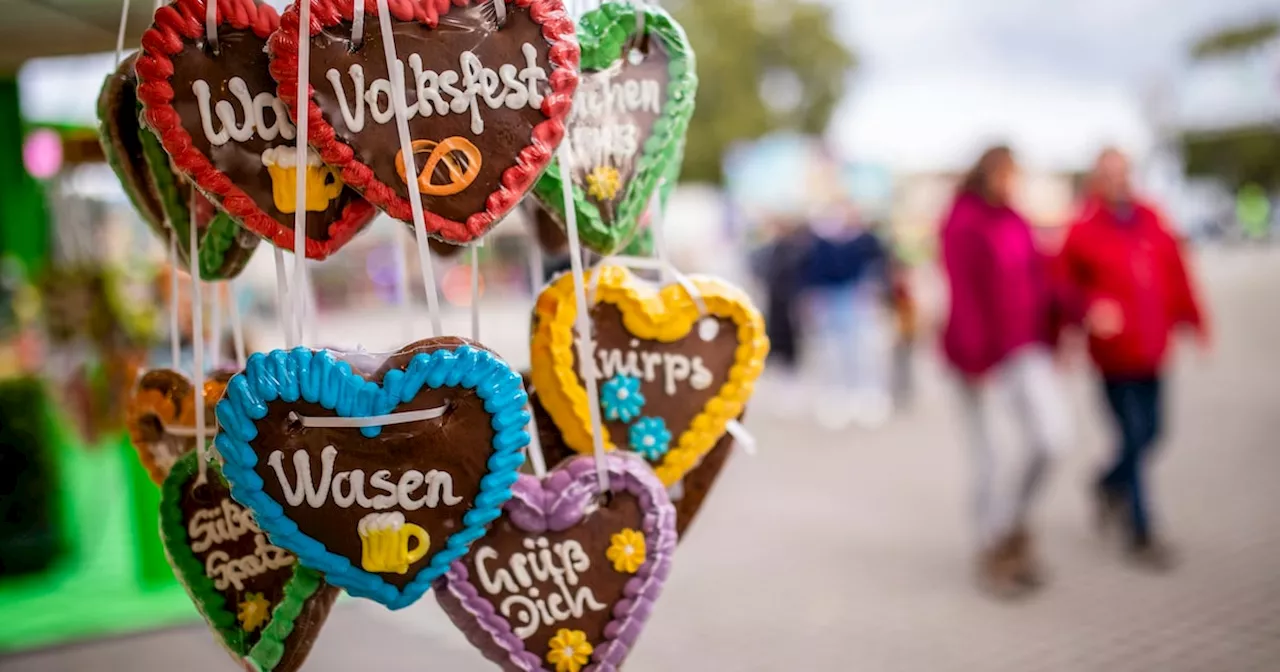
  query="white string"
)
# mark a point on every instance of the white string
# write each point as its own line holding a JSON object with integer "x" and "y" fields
{"x": 357, "y": 24}
{"x": 175, "y": 335}
{"x": 211, "y": 25}
{"x": 586, "y": 347}
{"x": 395, "y": 72}
{"x": 215, "y": 329}
{"x": 283, "y": 305}
{"x": 475, "y": 292}
{"x": 402, "y": 284}
{"x": 197, "y": 349}
{"x": 370, "y": 420}
{"x": 300, "y": 160}
{"x": 124, "y": 21}
{"x": 536, "y": 458}
{"x": 183, "y": 432}
{"x": 237, "y": 328}
{"x": 741, "y": 436}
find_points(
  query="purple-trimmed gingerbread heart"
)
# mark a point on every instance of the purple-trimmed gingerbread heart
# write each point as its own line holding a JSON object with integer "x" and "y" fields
{"x": 567, "y": 576}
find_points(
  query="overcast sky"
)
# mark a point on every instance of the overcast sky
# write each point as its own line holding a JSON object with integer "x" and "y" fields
{"x": 941, "y": 78}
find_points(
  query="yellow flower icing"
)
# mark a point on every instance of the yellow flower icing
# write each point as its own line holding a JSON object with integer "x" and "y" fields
{"x": 626, "y": 551}
{"x": 569, "y": 650}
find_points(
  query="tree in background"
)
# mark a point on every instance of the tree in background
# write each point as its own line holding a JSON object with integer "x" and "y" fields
{"x": 1237, "y": 156}
{"x": 762, "y": 67}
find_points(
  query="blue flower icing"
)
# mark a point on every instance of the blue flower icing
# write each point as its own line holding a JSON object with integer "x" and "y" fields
{"x": 318, "y": 378}
{"x": 650, "y": 437}
{"x": 620, "y": 398}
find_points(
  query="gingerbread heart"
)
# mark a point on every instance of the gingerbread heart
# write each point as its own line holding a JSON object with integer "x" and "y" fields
{"x": 567, "y": 576}
{"x": 161, "y": 197}
{"x": 487, "y": 102}
{"x": 670, "y": 376}
{"x": 264, "y": 607}
{"x": 436, "y": 477}
{"x": 161, "y": 417}
{"x": 216, "y": 114}
{"x": 687, "y": 495}
{"x": 628, "y": 123}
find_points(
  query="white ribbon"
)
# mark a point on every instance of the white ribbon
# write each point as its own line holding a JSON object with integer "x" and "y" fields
{"x": 124, "y": 21}
{"x": 586, "y": 346}
{"x": 395, "y": 72}
{"x": 300, "y": 160}
{"x": 399, "y": 418}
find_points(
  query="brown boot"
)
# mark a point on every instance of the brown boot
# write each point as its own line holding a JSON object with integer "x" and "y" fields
{"x": 1027, "y": 569}
{"x": 998, "y": 571}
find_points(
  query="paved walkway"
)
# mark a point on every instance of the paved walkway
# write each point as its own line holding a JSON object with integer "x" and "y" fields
{"x": 850, "y": 551}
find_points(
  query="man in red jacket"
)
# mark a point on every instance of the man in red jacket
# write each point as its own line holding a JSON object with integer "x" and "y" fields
{"x": 1127, "y": 270}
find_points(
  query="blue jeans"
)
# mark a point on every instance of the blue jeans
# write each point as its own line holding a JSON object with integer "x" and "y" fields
{"x": 1135, "y": 405}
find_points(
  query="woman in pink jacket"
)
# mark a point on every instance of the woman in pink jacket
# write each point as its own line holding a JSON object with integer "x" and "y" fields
{"x": 998, "y": 337}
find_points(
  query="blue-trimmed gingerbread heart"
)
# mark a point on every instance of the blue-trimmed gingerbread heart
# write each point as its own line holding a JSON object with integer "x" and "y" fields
{"x": 381, "y": 510}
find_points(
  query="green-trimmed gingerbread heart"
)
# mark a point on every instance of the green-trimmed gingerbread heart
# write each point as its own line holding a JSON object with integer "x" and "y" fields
{"x": 161, "y": 197}
{"x": 264, "y": 607}
{"x": 627, "y": 127}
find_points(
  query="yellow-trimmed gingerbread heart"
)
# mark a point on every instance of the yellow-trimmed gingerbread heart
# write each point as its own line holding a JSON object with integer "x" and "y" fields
{"x": 671, "y": 376}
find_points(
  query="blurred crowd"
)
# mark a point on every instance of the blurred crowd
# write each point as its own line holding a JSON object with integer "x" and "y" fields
{"x": 1115, "y": 283}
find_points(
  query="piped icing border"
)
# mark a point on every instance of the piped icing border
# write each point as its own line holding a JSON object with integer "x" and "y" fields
{"x": 603, "y": 34}
{"x": 175, "y": 25}
{"x": 317, "y": 377}
{"x": 516, "y": 181}
{"x": 667, "y": 314}
{"x": 557, "y": 504}
{"x": 269, "y": 649}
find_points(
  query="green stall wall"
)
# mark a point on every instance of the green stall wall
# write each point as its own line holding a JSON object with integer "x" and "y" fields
{"x": 102, "y": 570}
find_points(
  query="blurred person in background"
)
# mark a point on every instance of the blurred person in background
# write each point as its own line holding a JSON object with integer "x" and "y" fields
{"x": 779, "y": 264}
{"x": 998, "y": 338}
{"x": 846, "y": 279}
{"x": 1132, "y": 290}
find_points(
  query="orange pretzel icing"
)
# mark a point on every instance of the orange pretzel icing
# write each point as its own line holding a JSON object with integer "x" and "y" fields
{"x": 459, "y": 177}
{"x": 666, "y": 315}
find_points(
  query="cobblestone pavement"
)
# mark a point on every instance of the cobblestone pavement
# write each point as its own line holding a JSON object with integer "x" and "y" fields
{"x": 851, "y": 550}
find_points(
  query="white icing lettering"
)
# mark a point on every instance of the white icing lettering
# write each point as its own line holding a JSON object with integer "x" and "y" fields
{"x": 528, "y": 608}
{"x": 251, "y": 108}
{"x": 441, "y": 92}
{"x": 227, "y": 571}
{"x": 347, "y": 487}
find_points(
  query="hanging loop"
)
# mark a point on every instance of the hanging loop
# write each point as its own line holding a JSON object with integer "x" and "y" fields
{"x": 211, "y": 24}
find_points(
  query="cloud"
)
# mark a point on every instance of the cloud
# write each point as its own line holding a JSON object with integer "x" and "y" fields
{"x": 941, "y": 78}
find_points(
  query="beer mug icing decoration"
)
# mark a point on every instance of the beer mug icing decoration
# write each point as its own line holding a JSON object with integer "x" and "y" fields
{"x": 215, "y": 110}
{"x": 674, "y": 367}
{"x": 628, "y": 123}
{"x": 486, "y": 99}
{"x": 567, "y": 576}
{"x": 161, "y": 197}
{"x": 379, "y": 478}
{"x": 161, "y": 417}
{"x": 264, "y": 607}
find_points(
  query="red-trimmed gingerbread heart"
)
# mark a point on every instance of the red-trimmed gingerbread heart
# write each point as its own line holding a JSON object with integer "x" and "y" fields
{"x": 487, "y": 102}
{"x": 216, "y": 113}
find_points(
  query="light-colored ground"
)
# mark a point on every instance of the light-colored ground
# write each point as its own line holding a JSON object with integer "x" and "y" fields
{"x": 851, "y": 550}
